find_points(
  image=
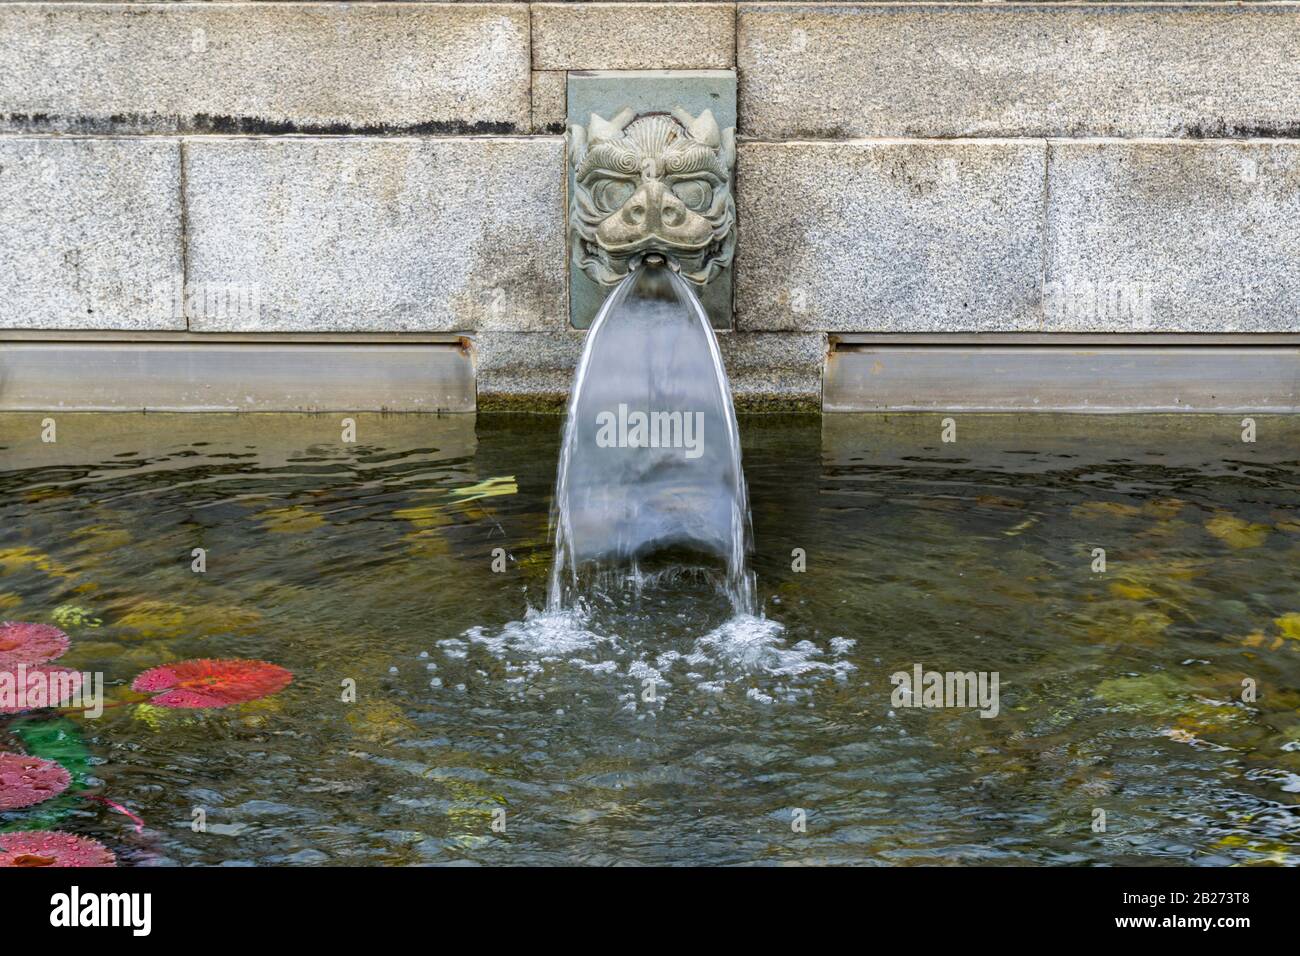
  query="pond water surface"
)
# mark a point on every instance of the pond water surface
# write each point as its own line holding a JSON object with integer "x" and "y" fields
{"x": 650, "y": 726}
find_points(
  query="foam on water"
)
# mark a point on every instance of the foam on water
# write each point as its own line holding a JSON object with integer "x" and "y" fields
{"x": 744, "y": 653}
{"x": 540, "y": 636}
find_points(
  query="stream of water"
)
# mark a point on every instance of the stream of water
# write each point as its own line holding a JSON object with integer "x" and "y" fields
{"x": 650, "y": 459}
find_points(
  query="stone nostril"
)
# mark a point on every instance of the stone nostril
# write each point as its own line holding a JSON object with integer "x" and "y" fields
{"x": 672, "y": 212}
{"x": 634, "y": 213}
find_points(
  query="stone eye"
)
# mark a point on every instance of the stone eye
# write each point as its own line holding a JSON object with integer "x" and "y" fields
{"x": 610, "y": 194}
{"x": 695, "y": 193}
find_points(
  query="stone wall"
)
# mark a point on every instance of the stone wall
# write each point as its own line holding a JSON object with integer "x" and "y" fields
{"x": 397, "y": 167}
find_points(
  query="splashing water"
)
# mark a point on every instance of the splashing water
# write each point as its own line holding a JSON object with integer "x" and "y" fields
{"x": 650, "y": 460}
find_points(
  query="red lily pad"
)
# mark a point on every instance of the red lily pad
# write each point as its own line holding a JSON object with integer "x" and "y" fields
{"x": 26, "y": 781}
{"x": 211, "y": 683}
{"x": 35, "y": 687}
{"x": 24, "y": 643}
{"x": 52, "y": 848}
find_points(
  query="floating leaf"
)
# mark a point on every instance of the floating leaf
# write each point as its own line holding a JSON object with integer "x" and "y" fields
{"x": 23, "y": 643}
{"x": 488, "y": 489}
{"x": 58, "y": 740}
{"x": 1237, "y": 532}
{"x": 212, "y": 683}
{"x": 26, "y": 781}
{"x": 51, "y": 848}
{"x": 46, "y": 686}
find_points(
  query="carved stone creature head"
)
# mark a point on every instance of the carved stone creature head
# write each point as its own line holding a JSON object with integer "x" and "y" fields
{"x": 653, "y": 184}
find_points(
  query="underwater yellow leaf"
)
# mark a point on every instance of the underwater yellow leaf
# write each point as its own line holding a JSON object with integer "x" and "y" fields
{"x": 1151, "y": 693}
{"x": 1022, "y": 527}
{"x": 1237, "y": 532}
{"x": 1164, "y": 507}
{"x": 1289, "y": 625}
{"x": 1131, "y": 592}
{"x": 168, "y": 619}
{"x": 997, "y": 501}
{"x": 424, "y": 516}
{"x": 155, "y": 619}
{"x": 427, "y": 544}
{"x": 1146, "y": 628}
{"x": 380, "y": 721}
{"x": 153, "y": 717}
{"x": 1105, "y": 509}
{"x": 101, "y": 539}
{"x": 45, "y": 494}
{"x": 18, "y": 559}
{"x": 68, "y": 616}
{"x": 290, "y": 519}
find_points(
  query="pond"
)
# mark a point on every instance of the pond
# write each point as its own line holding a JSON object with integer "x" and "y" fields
{"x": 1132, "y": 584}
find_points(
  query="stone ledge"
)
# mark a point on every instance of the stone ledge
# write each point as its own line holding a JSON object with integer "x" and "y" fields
{"x": 534, "y": 371}
{"x": 1015, "y": 69}
{"x": 90, "y": 233}
{"x": 234, "y": 377}
{"x": 349, "y": 234}
{"x": 1063, "y": 379}
{"x": 265, "y": 67}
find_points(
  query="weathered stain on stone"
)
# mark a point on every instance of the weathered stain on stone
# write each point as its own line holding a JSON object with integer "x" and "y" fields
{"x": 128, "y": 123}
{"x": 1222, "y": 129}
{"x": 843, "y": 71}
{"x": 549, "y": 97}
{"x": 276, "y": 68}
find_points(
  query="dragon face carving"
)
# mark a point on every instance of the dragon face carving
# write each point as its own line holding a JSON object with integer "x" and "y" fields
{"x": 653, "y": 184}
